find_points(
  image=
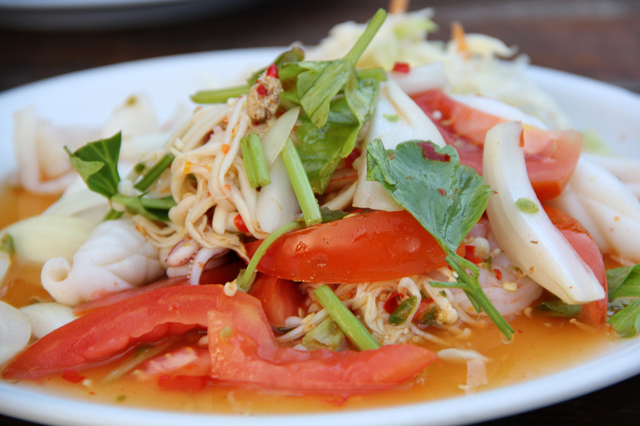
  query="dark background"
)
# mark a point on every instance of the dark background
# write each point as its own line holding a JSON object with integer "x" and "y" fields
{"x": 594, "y": 38}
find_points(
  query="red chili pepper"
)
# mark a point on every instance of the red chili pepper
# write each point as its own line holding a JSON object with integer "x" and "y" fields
{"x": 272, "y": 71}
{"x": 239, "y": 223}
{"x": 402, "y": 67}
{"x": 72, "y": 376}
{"x": 348, "y": 161}
{"x": 470, "y": 254}
{"x": 498, "y": 273}
{"x": 392, "y": 302}
{"x": 262, "y": 91}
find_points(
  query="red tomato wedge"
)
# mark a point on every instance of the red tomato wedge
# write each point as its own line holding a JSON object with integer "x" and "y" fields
{"x": 594, "y": 313}
{"x": 366, "y": 247}
{"x": 220, "y": 275}
{"x": 110, "y": 331}
{"x": 551, "y": 156}
{"x": 236, "y": 356}
{"x": 280, "y": 298}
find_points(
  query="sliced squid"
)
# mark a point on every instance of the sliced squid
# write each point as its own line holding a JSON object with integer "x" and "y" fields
{"x": 115, "y": 257}
{"x": 397, "y": 119}
{"x": 606, "y": 206}
{"x": 528, "y": 237}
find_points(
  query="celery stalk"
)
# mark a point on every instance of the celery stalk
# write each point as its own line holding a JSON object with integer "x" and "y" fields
{"x": 220, "y": 95}
{"x": 301, "y": 185}
{"x": 348, "y": 322}
{"x": 254, "y": 161}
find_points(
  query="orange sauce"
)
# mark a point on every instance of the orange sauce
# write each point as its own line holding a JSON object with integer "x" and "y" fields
{"x": 542, "y": 345}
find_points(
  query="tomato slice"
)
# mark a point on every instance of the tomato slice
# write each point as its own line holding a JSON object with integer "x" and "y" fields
{"x": 551, "y": 156}
{"x": 104, "y": 333}
{"x": 372, "y": 246}
{"x": 280, "y": 298}
{"x": 235, "y": 356}
{"x": 593, "y": 313}
{"x": 220, "y": 275}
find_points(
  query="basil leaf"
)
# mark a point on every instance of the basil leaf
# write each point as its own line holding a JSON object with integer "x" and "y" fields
{"x": 559, "y": 309}
{"x": 625, "y": 283}
{"x": 97, "y": 164}
{"x": 446, "y": 198}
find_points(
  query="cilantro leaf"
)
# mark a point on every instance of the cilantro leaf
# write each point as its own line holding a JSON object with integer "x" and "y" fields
{"x": 624, "y": 291}
{"x": 446, "y": 198}
{"x": 97, "y": 164}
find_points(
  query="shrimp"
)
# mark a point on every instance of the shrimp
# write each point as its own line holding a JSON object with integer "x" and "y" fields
{"x": 506, "y": 286}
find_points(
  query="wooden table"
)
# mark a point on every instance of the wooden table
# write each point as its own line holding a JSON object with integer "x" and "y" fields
{"x": 594, "y": 38}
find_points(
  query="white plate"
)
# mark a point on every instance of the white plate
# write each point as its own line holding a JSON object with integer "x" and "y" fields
{"x": 88, "y": 97}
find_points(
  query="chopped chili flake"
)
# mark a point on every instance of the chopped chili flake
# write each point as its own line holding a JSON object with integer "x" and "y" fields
{"x": 442, "y": 192}
{"x": 225, "y": 148}
{"x": 262, "y": 91}
{"x": 430, "y": 153}
{"x": 498, "y": 273}
{"x": 72, "y": 376}
{"x": 348, "y": 161}
{"x": 393, "y": 302}
{"x": 272, "y": 71}
{"x": 227, "y": 187}
{"x": 239, "y": 223}
{"x": 402, "y": 67}
{"x": 470, "y": 254}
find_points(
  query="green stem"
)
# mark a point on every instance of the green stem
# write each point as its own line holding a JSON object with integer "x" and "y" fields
{"x": 377, "y": 73}
{"x": 254, "y": 161}
{"x": 350, "y": 325}
{"x": 244, "y": 283}
{"x": 154, "y": 173}
{"x": 220, "y": 95}
{"x": 358, "y": 49}
{"x": 301, "y": 186}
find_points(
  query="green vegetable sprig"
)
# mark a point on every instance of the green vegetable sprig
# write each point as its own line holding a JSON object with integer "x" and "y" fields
{"x": 446, "y": 198}
{"x": 97, "y": 164}
{"x": 624, "y": 298}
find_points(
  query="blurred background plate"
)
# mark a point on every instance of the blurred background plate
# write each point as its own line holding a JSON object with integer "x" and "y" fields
{"x": 107, "y": 14}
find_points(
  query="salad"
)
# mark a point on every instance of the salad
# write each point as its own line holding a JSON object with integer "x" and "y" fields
{"x": 334, "y": 224}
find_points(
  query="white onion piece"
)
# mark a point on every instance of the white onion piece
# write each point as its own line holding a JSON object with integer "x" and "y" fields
{"x": 274, "y": 140}
{"x": 15, "y": 332}
{"x": 530, "y": 239}
{"x": 135, "y": 117}
{"x": 412, "y": 124}
{"x": 40, "y": 238}
{"x": 277, "y": 202}
{"x": 46, "y": 317}
{"x": 82, "y": 203}
{"x": 606, "y": 207}
{"x": 420, "y": 79}
{"x": 499, "y": 109}
{"x": 460, "y": 355}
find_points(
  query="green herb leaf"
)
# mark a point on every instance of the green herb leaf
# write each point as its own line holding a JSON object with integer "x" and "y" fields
{"x": 446, "y": 198}
{"x": 323, "y": 148}
{"x": 295, "y": 54}
{"x": 322, "y": 81}
{"x": 558, "y": 308}
{"x": 404, "y": 309}
{"x": 97, "y": 164}
{"x": 624, "y": 289}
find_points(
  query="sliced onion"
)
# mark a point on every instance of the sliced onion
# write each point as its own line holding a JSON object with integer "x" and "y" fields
{"x": 277, "y": 202}
{"x": 41, "y": 238}
{"x": 46, "y": 317}
{"x": 420, "y": 79}
{"x": 411, "y": 123}
{"x": 273, "y": 141}
{"x": 530, "y": 239}
{"x": 15, "y": 332}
